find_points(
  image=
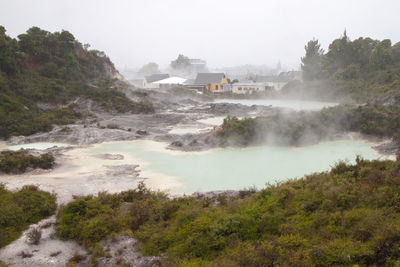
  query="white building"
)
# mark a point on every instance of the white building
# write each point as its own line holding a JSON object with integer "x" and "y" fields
{"x": 170, "y": 82}
{"x": 149, "y": 82}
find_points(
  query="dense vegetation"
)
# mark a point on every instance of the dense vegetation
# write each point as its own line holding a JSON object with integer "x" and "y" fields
{"x": 20, "y": 161}
{"x": 301, "y": 128}
{"x": 22, "y": 208}
{"x": 360, "y": 70}
{"x": 56, "y": 69}
{"x": 350, "y": 215}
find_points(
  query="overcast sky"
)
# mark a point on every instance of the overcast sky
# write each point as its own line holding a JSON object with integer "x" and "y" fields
{"x": 223, "y": 32}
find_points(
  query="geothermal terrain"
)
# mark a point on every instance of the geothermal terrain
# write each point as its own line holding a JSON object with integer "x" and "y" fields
{"x": 83, "y": 166}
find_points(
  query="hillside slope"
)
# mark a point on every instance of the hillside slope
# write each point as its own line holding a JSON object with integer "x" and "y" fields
{"x": 54, "y": 69}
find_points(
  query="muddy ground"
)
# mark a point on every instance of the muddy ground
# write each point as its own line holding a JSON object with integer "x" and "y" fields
{"x": 175, "y": 116}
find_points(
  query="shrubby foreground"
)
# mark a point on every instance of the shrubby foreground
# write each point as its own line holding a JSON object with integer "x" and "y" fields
{"x": 349, "y": 215}
{"x": 21, "y": 208}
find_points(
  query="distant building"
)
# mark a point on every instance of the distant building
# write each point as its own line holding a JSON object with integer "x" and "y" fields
{"x": 277, "y": 82}
{"x": 248, "y": 87}
{"x": 170, "y": 82}
{"x": 149, "y": 81}
{"x": 197, "y": 65}
{"x": 211, "y": 82}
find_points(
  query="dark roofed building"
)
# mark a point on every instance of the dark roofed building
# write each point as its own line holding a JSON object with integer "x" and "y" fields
{"x": 208, "y": 78}
{"x": 211, "y": 82}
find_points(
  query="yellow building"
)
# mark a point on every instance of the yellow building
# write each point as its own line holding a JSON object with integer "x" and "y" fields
{"x": 212, "y": 82}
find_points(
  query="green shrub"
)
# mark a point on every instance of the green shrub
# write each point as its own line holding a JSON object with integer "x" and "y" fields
{"x": 20, "y": 161}
{"x": 21, "y": 208}
{"x": 34, "y": 235}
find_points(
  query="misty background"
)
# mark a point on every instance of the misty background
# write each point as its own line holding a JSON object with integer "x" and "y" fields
{"x": 224, "y": 33}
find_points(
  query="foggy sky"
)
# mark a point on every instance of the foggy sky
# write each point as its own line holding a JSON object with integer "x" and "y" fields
{"x": 223, "y": 32}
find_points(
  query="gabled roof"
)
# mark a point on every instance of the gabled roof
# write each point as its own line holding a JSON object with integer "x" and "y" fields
{"x": 156, "y": 77}
{"x": 208, "y": 78}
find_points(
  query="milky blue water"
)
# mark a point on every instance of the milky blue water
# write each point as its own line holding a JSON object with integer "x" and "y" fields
{"x": 236, "y": 168}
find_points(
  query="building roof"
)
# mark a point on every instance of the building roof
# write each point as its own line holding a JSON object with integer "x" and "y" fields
{"x": 208, "y": 78}
{"x": 156, "y": 77}
{"x": 172, "y": 80}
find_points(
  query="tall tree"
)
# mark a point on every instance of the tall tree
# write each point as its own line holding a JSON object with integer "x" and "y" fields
{"x": 361, "y": 50}
{"x": 381, "y": 56}
{"x": 181, "y": 63}
{"x": 341, "y": 54}
{"x": 8, "y": 53}
{"x": 312, "y": 61}
{"x": 396, "y": 52}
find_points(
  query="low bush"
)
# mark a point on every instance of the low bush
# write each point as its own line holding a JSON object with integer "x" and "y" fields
{"x": 20, "y": 161}
{"x": 22, "y": 208}
{"x": 34, "y": 235}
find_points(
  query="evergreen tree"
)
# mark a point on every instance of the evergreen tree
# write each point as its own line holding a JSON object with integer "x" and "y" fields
{"x": 381, "y": 56}
{"x": 311, "y": 62}
{"x": 181, "y": 63}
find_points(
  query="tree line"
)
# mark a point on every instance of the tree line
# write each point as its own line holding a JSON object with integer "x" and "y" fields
{"x": 362, "y": 70}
